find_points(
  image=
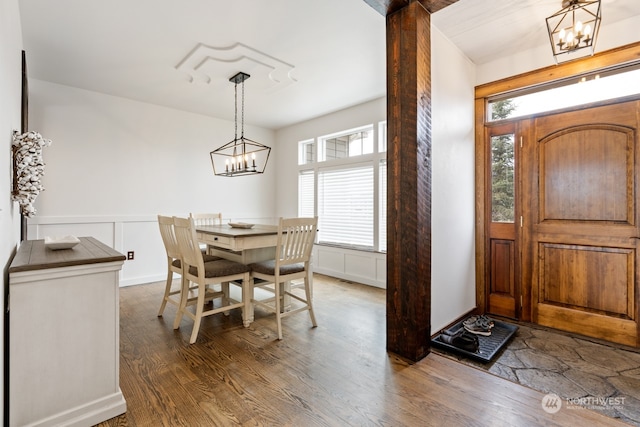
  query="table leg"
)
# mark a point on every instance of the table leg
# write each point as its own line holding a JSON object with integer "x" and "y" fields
{"x": 247, "y": 296}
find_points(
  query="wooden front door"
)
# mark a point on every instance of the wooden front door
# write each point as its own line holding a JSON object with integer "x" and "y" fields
{"x": 581, "y": 221}
{"x": 502, "y": 243}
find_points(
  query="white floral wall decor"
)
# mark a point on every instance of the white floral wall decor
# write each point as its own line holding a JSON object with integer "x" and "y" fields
{"x": 28, "y": 169}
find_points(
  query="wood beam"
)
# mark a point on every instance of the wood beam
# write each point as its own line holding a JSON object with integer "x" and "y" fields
{"x": 409, "y": 182}
{"x": 387, "y": 7}
{"x": 409, "y": 173}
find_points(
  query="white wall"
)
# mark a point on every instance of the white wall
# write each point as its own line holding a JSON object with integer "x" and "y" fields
{"x": 10, "y": 101}
{"x": 453, "y": 281}
{"x": 114, "y": 164}
{"x": 453, "y": 203}
{"x": 611, "y": 36}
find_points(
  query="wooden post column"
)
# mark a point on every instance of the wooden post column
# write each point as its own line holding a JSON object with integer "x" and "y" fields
{"x": 409, "y": 181}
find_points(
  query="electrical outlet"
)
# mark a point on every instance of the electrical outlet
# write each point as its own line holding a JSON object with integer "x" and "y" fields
{"x": 130, "y": 255}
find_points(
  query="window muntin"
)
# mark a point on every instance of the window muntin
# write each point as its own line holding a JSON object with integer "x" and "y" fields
{"x": 307, "y": 152}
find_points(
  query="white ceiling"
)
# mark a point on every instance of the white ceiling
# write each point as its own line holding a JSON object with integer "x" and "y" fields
{"x": 305, "y": 57}
{"x": 486, "y": 30}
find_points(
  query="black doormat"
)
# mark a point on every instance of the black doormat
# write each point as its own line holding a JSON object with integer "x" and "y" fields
{"x": 501, "y": 333}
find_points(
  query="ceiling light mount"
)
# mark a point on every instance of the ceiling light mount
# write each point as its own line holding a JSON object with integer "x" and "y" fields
{"x": 240, "y": 156}
{"x": 574, "y": 27}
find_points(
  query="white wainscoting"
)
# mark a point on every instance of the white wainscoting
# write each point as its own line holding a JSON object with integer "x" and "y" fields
{"x": 140, "y": 234}
{"x": 369, "y": 268}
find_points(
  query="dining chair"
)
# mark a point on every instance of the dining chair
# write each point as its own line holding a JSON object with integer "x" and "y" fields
{"x": 203, "y": 275}
{"x": 206, "y": 219}
{"x": 174, "y": 264}
{"x": 295, "y": 240}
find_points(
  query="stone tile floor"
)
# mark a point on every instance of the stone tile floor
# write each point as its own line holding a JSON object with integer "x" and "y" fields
{"x": 583, "y": 372}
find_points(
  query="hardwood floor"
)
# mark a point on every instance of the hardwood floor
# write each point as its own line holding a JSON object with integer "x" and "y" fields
{"x": 338, "y": 374}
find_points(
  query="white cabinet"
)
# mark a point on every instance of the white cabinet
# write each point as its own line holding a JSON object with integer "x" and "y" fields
{"x": 64, "y": 335}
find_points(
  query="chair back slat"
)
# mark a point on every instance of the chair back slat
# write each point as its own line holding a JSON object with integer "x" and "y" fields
{"x": 168, "y": 236}
{"x": 295, "y": 239}
{"x": 206, "y": 218}
{"x": 185, "y": 231}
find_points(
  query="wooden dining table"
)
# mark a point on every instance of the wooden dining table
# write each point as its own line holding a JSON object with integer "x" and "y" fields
{"x": 245, "y": 245}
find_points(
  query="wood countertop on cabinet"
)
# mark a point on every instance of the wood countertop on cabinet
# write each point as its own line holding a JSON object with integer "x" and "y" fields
{"x": 33, "y": 255}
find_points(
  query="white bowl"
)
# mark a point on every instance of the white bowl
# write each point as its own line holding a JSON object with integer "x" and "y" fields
{"x": 57, "y": 243}
{"x": 240, "y": 225}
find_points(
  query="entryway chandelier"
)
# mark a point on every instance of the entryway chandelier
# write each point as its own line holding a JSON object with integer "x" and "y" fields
{"x": 574, "y": 27}
{"x": 241, "y": 156}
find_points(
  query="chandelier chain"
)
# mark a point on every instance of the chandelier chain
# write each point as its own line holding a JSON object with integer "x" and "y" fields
{"x": 235, "y": 115}
{"x": 242, "y": 119}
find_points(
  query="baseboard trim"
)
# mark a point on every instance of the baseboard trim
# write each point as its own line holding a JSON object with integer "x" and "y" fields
{"x": 89, "y": 414}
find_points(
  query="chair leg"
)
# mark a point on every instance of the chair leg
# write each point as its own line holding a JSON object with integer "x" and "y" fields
{"x": 277, "y": 287}
{"x": 167, "y": 291}
{"x": 308, "y": 294}
{"x": 198, "y": 316}
{"x": 184, "y": 295}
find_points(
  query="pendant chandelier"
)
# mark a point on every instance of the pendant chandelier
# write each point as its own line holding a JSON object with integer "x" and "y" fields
{"x": 241, "y": 156}
{"x": 574, "y": 27}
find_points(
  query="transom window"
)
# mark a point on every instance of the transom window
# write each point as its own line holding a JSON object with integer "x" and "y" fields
{"x": 584, "y": 89}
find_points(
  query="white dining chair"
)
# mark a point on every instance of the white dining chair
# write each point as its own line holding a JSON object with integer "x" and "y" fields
{"x": 174, "y": 263}
{"x": 295, "y": 240}
{"x": 204, "y": 275}
{"x": 206, "y": 218}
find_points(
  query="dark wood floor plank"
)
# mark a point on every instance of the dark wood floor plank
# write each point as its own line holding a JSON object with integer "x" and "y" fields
{"x": 338, "y": 374}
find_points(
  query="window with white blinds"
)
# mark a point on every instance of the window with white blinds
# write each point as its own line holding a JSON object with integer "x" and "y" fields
{"x": 342, "y": 178}
{"x": 382, "y": 206}
{"x": 306, "y": 193}
{"x": 345, "y": 206}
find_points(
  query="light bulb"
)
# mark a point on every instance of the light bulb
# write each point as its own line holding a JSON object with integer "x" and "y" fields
{"x": 561, "y": 35}
{"x": 570, "y": 38}
{"x": 578, "y": 27}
